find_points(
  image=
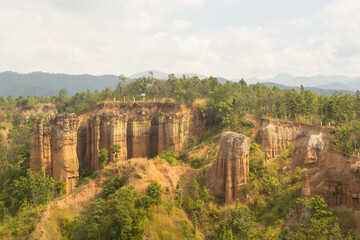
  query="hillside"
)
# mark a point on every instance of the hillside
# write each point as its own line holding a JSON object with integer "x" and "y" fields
{"x": 320, "y": 91}
{"x": 48, "y": 84}
{"x": 332, "y": 82}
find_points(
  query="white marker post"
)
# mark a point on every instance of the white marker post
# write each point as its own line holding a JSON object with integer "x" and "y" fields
{"x": 143, "y": 95}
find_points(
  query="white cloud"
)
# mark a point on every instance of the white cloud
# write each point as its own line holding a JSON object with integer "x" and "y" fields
{"x": 180, "y": 25}
{"x": 86, "y": 36}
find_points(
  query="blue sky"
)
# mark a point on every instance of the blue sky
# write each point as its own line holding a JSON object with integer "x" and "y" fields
{"x": 230, "y": 38}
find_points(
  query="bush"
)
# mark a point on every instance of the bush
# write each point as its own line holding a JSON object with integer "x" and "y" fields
{"x": 103, "y": 157}
{"x": 170, "y": 157}
{"x": 34, "y": 189}
{"x": 86, "y": 176}
{"x": 115, "y": 149}
{"x": 247, "y": 123}
{"x": 298, "y": 176}
{"x": 118, "y": 217}
{"x": 238, "y": 224}
{"x": 197, "y": 162}
{"x": 153, "y": 194}
{"x": 254, "y": 147}
{"x": 113, "y": 183}
{"x": 193, "y": 141}
{"x": 138, "y": 176}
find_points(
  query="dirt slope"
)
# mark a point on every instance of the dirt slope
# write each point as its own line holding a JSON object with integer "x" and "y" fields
{"x": 140, "y": 172}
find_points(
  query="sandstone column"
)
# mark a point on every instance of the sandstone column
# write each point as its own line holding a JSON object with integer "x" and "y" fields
{"x": 63, "y": 149}
{"x": 168, "y": 134}
{"x": 119, "y": 135}
{"x": 95, "y": 142}
{"x": 232, "y": 165}
{"x": 138, "y": 139}
{"x": 36, "y": 146}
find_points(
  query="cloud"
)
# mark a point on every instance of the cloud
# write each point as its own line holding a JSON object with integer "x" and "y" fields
{"x": 180, "y": 25}
{"x": 84, "y": 36}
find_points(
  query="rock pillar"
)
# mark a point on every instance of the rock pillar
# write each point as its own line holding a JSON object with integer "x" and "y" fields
{"x": 63, "y": 149}
{"x": 37, "y": 146}
{"x": 139, "y": 137}
{"x": 232, "y": 165}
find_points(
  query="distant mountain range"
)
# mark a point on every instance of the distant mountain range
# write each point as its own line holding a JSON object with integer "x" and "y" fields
{"x": 163, "y": 75}
{"x": 49, "y": 84}
{"x": 334, "y": 82}
{"x": 319, "y": 91}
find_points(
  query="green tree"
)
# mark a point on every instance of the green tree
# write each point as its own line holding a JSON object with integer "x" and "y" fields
{"x": 34, "y": 189}
{"x": 312, "y": 221}
{"x": 115, "y": 150}
{"x": 118, "y": 217}
{"x": 103, "y": 157}
{"x": 153, "y": 194}
{"x": 237, "y": 224}
{"x": 63, "y": 94}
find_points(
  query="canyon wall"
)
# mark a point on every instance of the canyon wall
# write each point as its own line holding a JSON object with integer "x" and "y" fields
{"x": 65, "y": 163}
{"x": 329, "y": 173}
{"x": 140, "y": 129}
{"x": 230, "y": 171}
{"x": 53, "y": 149}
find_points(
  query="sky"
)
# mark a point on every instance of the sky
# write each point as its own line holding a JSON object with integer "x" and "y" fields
{"x": 229, "y": 38}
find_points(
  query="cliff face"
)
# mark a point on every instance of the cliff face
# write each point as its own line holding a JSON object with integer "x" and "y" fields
{"x": 231, "y": 169}
{"x": 141, "y": 129}
{"x": 274, "y": 136}
{"x": 53, "y": 149}
{"x": 63, "y": 149}
{"x": 40, "y": 149}
{"x": 329, "y": 173}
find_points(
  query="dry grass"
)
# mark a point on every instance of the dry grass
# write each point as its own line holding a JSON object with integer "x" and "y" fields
{"x": 149, "y": 170}
{"x": 161, "y": 225}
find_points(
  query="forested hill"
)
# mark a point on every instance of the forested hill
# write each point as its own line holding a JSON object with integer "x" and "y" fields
{"x": 47, "y": 84}
{"x": 319, "y": 91}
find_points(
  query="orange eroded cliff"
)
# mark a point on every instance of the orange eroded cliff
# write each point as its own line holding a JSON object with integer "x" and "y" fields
{"x": 140, "y": 128}
{"x": 229, "y": 172}
{"x": 331, "y": 174}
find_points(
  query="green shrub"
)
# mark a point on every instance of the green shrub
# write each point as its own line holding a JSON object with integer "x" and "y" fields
{"x": 257, "y": 167}
{"x": 138, "y": 176}
{"x": 197, "y": 162}
{"x": 34, "y": 189}
{"x": 21, "y": 225}
{"x": 254, "y": 147}
{"x": 170, "y": 157}
{"x": 86, "y": 175}
{"x": 115, "y": 149}
{"x": 246, "y": 123}
{"x": 3, "y": 211}
{"x": 103, "y": 157}
{"x": 117, "y": 217}
{"x": 113, "y": 183}
{"x": 153, "y": 194}
{"x": 298, "y": 175}
{"x": 193, "y": 141}
{"x": 152, "y": 155}
{"x": 237, "y": 224}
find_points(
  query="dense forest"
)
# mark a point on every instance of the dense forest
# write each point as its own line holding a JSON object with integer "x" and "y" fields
{"x": 275, "y": 210}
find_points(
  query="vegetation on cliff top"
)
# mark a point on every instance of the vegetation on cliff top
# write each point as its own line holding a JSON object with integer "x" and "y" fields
{"x": 274, "y": 210}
